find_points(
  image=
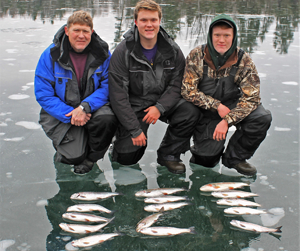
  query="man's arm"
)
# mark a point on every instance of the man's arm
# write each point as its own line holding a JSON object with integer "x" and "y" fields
{"x": 118, "y": 91}
{"x": 44, "y": 90}
{"x": 172, "y": 95}
{"x": 101, "y": 95}
{"x": 248, "y": 80}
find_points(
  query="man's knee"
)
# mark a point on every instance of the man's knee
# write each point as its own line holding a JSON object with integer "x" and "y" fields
{"x": 129, "y": 158}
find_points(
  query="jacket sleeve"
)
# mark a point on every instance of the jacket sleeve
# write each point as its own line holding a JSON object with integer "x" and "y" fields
{"x": 193, "y": 75}
{"x": 44, "y": 91}
{"x": 248, "y": 80}
{"x": 172, "y": 95}
{"x": 118, "y": 91}
{"x": 100, "y": 96}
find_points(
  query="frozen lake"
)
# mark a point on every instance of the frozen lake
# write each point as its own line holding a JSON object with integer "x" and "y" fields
{"x": 34, "y": 193}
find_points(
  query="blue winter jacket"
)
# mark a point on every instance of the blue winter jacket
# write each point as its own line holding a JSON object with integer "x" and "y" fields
{"x": 53, "y": 75}
{"x": 56, "y": 86}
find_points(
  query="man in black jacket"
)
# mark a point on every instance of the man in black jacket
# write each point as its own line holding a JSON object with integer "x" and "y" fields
{"x": 145, "y": 76}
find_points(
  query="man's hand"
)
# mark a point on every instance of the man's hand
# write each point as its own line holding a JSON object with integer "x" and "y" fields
{"x": 152, "y": 115}
{"x": 139, "y": 140}
{"x": 79, "y": 117}
{"x": 221, "y": 130}
{"x": 223, "y": 110}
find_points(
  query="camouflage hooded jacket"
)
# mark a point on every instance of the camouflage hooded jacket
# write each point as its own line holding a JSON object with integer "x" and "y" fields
{"x": 246, "y": 79}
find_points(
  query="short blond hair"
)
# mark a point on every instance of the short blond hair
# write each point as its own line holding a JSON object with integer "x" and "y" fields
{"x": 147, "y": 5}
{"x": 80, "y": 17}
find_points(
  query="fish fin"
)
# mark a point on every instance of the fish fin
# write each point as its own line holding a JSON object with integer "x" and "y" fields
{"x": 278, "y": 229}
{"x": 86, "y": 242}
{"x": 236, "y": 211}
{"x": 192, "y": 230}
{"x": 231, "y": 188}
{"x": 161, "y": 210}
{"x": 210, "y": 185}
{"x": 239, "y": 197}
{"x": 71, "y": 228}
{"x": 165, "y": 193}
{"x": 153, "y": 231}
{"x": 216, "y": 186}
{"x": 87, "y": 220}
{"x": 88, "y": 231}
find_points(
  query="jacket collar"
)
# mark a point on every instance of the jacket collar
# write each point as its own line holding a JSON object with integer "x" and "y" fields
{"x": 233, "y": 58}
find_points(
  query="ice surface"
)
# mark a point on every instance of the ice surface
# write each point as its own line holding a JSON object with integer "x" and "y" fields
{"x": 282, "y": 129}
{"x": 16, "y": 139}
{"x": 290, "y": 83}
{"x": 42, "y": 203}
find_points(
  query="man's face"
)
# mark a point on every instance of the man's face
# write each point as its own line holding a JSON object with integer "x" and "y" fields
{"x": 222, "y": 38}
{"x": 79, "y": 36}
{"x": 148, "y": 23}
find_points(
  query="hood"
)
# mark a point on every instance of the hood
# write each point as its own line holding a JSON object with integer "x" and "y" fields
{"x": 217, "y": 59}
{"x": 60, "y": 52}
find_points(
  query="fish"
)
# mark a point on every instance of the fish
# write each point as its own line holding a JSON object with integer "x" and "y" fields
{"x": 149, "y": 220}
{"x": 91, "y": 196}
{"x": 243, "y": 210}
{"x": 237, "y": 202}
{"x": 167, "y": 231}
{"x": 254, "y": 227}
{"x": 84, "y": 217}
{"x": 158, "y": 192}
{"x": 165, "y": 206}
{"x": 82, "y": 229}
{"x": 233, "y": 194}
{"x": 88, "y": 208}
{"x": 93, "y": 240}
{"x": 222, "y": 186}
{"x": 165, "y": 199}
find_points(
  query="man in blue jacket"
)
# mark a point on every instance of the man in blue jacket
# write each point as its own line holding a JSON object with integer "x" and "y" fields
{"x": 71, "y": 85}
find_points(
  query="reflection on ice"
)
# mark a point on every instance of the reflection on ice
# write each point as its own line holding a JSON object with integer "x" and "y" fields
{"x": 8, "y": 59}
{"x": 31, "y": 83}
{"x": 18, "y": 96}
{"x": 262, "y": 75}
{"x": 122, "y": 176}
{"x": 26, "y": 70}
{"x": 29, "y": 125}
{"x": 42, "y": 203}
{"x": 3, "y": 124}
{"x": 273, "y": 217}
{"x": 4, "y": 244}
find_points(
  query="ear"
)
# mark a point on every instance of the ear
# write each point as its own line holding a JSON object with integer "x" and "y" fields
{"x": 66, "y": 31}
{"x": 92, "y": 31}
{"x": 135, "y": 22}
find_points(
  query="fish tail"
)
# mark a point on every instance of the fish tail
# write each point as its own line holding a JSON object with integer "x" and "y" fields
{"x": 113, "y": 212}
{"x": 278, "y": 229}
{"x": 192, "y": 230}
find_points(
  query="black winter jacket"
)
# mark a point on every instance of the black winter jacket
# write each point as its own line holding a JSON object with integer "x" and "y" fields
{"x": 135, "y": 85}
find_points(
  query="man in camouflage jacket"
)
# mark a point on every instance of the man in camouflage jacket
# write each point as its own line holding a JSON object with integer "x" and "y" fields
{"x": 222, "y": 80}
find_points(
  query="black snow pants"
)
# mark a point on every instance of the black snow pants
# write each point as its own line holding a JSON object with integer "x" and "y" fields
{"x": 249, "y": 133}
{"x": 181, "y": 120}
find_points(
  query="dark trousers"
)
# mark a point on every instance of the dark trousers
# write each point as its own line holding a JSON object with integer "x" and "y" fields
{"x": 90, "y": 141}
{"x": 242, "y": 145}
{"x": 181, "y": 119}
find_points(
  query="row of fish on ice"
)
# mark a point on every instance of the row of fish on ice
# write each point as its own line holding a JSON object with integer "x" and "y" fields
{"x": 239, "y": 206}
{"x": 83, "y": 213}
